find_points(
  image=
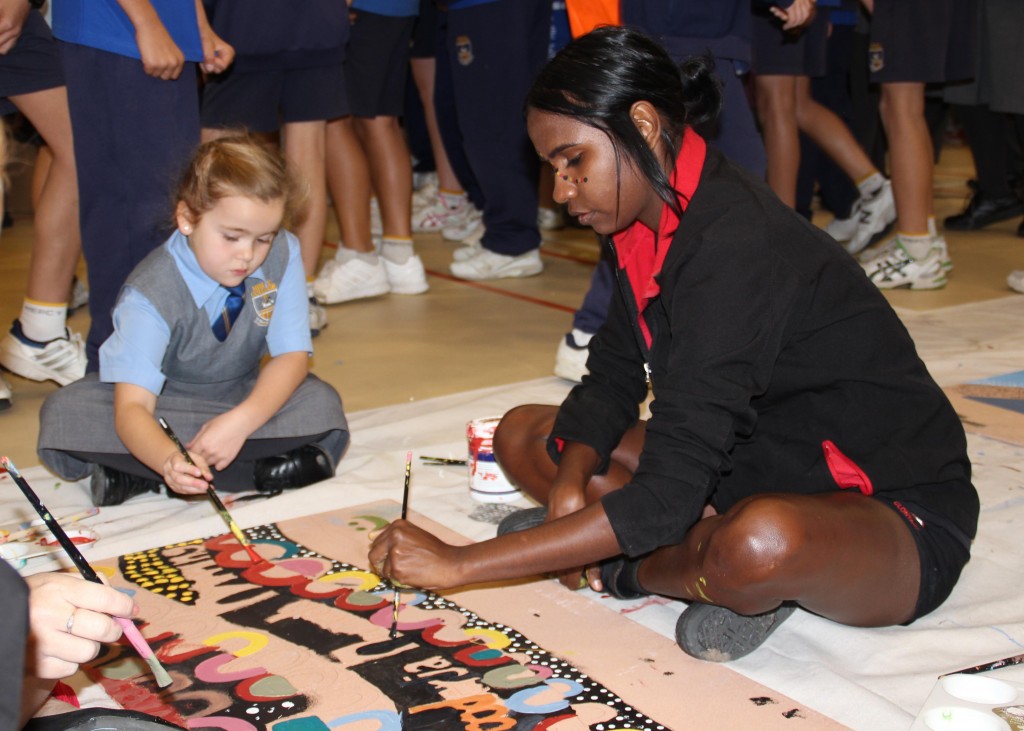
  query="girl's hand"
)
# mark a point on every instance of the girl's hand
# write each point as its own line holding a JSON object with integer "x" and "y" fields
{"x": 218, "y": 54}
{"x": 409, "y": 555}
{"x": 797, "y": 15}
{"x": 220, "y": 439}
{"x": 161, "y": 57}
{"x": 186, "y": 479}
{"x": 68, "y": 619}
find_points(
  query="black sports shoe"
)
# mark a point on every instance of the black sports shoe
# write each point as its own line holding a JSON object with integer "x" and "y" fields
{"x": 522, "y": 520}
{"x": 112, "y": 487}
{"x": 297, "y": 468}
{"x": 716, "y": 634}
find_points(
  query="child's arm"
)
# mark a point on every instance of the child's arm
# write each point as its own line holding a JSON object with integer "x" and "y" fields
{"x": 217, "y": 53}
{"x": 136, "y": 426}
{"x": 220, "y": 439}
{"x": 161, "y": 56}
{"x": 12, "y": 18}
{"x": 796, "y": 14}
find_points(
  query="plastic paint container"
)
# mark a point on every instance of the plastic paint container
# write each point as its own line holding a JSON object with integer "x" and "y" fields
{"x": 487, "y": 483}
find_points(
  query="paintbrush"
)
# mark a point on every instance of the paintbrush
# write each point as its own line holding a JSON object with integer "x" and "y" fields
{"x": 1005, "y": 662}
{"x": 31, "y": 530}
{"x": 405, "y": 512}
{"x": 212, "y": 494}
{"x": 442, "y": 461}
{"x": 89, "y": 574}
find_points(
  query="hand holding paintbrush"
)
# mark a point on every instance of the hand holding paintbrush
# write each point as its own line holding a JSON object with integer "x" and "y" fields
{"x": 212, "y": 494}
{"x": 88, "y": 573}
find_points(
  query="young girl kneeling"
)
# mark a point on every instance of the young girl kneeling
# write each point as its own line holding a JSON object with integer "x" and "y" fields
{"x": 192, "y": 325}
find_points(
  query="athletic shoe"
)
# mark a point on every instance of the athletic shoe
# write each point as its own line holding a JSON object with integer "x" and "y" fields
{"x": 712, "y": 633}
{"x": 487, "y": 264}
{"x": 571, "y": 359}
{"x": 1015, "y": 280}
{"x": 61, "y": 360}
{"x": 5, "y": 394}
{"x": 938, "y": 242}
{"x": 437, "y": 215}
{"x": 79, "y": 296}
{"x": 842, "y": 229}
{"x": 522, "y": 520}
{"x": 874, "y": 214}
{"x": 462, "y": 226}
{"x": 407, "y": 278}
{"x": 898, "y": 268}
{"x": 464, "y": 253}
{"x": 550, "y": 219}
{"x": 350, "y": 280}
{"x": 317, "y": 317}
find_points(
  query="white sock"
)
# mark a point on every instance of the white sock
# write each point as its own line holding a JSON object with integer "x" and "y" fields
{"x": 345, "y": 254}
{"x": 452, "y": 201}
{"x": 396, "y": 250}
{"x": 43, "y": 321}
{"x": 917, "y": 245}
{"x": 933, "y": 230}
{"x": 869, "y": 186}
{"x": 582, "y": 339}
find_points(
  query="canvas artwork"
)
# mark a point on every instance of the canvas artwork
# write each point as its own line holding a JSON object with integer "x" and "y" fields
{"x": 992, "y": 406}
{"x": 301, "y": 642}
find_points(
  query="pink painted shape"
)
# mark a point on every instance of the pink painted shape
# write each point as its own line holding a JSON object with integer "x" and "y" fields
{"x": 209, "y": 671}
{"x": 221, "y": 722}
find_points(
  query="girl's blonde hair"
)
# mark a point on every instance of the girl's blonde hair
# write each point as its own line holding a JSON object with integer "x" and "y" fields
{"x": 238, "y": 165}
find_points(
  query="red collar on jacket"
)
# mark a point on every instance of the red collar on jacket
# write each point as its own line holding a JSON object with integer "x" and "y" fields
{"x": 641, "y": 254}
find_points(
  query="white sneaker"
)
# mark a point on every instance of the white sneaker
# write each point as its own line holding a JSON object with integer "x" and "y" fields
{"x": 317, "y": 317}
{"x": 437, "y": 215}
{"x": 842, "y": 229}
{"x": 79, "y": 296}
{"x": 571, "y": 359}
{"x": 467, "y": 252}
{"x": 5, "y": 394}
{"x": 351, "y": 279}
{"x": 898, "y": 269}
{"x": 1015, "y": 280}
{"x": 407, "y": 278}
{"x": 486, "y": 264}
{"x": 61, "y": 360}
{"x": 872, "y": 214}
{"x": 550, "y": 219}
{"x": 938, "y": 242}
{"x": 462, "y": 226}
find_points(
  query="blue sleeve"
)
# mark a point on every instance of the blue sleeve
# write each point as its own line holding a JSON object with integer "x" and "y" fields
{"x": 288, "y": 330}
{"x": 135, "y": 350}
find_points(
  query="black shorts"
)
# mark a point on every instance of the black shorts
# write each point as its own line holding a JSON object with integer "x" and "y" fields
{"x": 261, "y": 101}
{"x": 943, "y": 550}
{"x": 378, "y": 64}
{"x": 32, "y": 64}
{"x": 424, "y": 34}
{"x": 925, "y": 41}
{"x": 779, "y": 53}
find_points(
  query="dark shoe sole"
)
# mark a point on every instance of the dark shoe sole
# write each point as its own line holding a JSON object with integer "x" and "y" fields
{"x": 619, "y": 578}
{"x": 716, "y": 634}
{"x": 522, "y": 520}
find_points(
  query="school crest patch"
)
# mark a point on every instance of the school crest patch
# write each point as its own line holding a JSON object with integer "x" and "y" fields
{"x": 263, "y": 297}
{"x": 464, "y": 50}
{"x": 876, "y": 57}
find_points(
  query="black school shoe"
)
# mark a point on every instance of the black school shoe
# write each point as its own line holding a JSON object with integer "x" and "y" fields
{"x": 112, "y": 487}
{"x": 982, "y": 211}
{"x": 297, "y": 468}
{"x": 522, "y": 520}
{"x": 716, "y": 634}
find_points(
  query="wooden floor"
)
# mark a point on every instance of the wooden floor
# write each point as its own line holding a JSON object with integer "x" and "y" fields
{"x": 462, "y": 335}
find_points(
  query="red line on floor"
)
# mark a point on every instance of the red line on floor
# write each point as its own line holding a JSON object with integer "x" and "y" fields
{"x": 503, "y": 292}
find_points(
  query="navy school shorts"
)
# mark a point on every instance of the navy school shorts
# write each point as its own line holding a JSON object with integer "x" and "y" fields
{"x": 377, "y": 64}
{"x": 32, "y": 64}
{"x": 924, "y": 41}
{"x": 778, "y": 53}
{"x": 263, "y": 100}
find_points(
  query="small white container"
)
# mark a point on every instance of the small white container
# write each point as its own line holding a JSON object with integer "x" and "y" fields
{"x": 487, "y": 482}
